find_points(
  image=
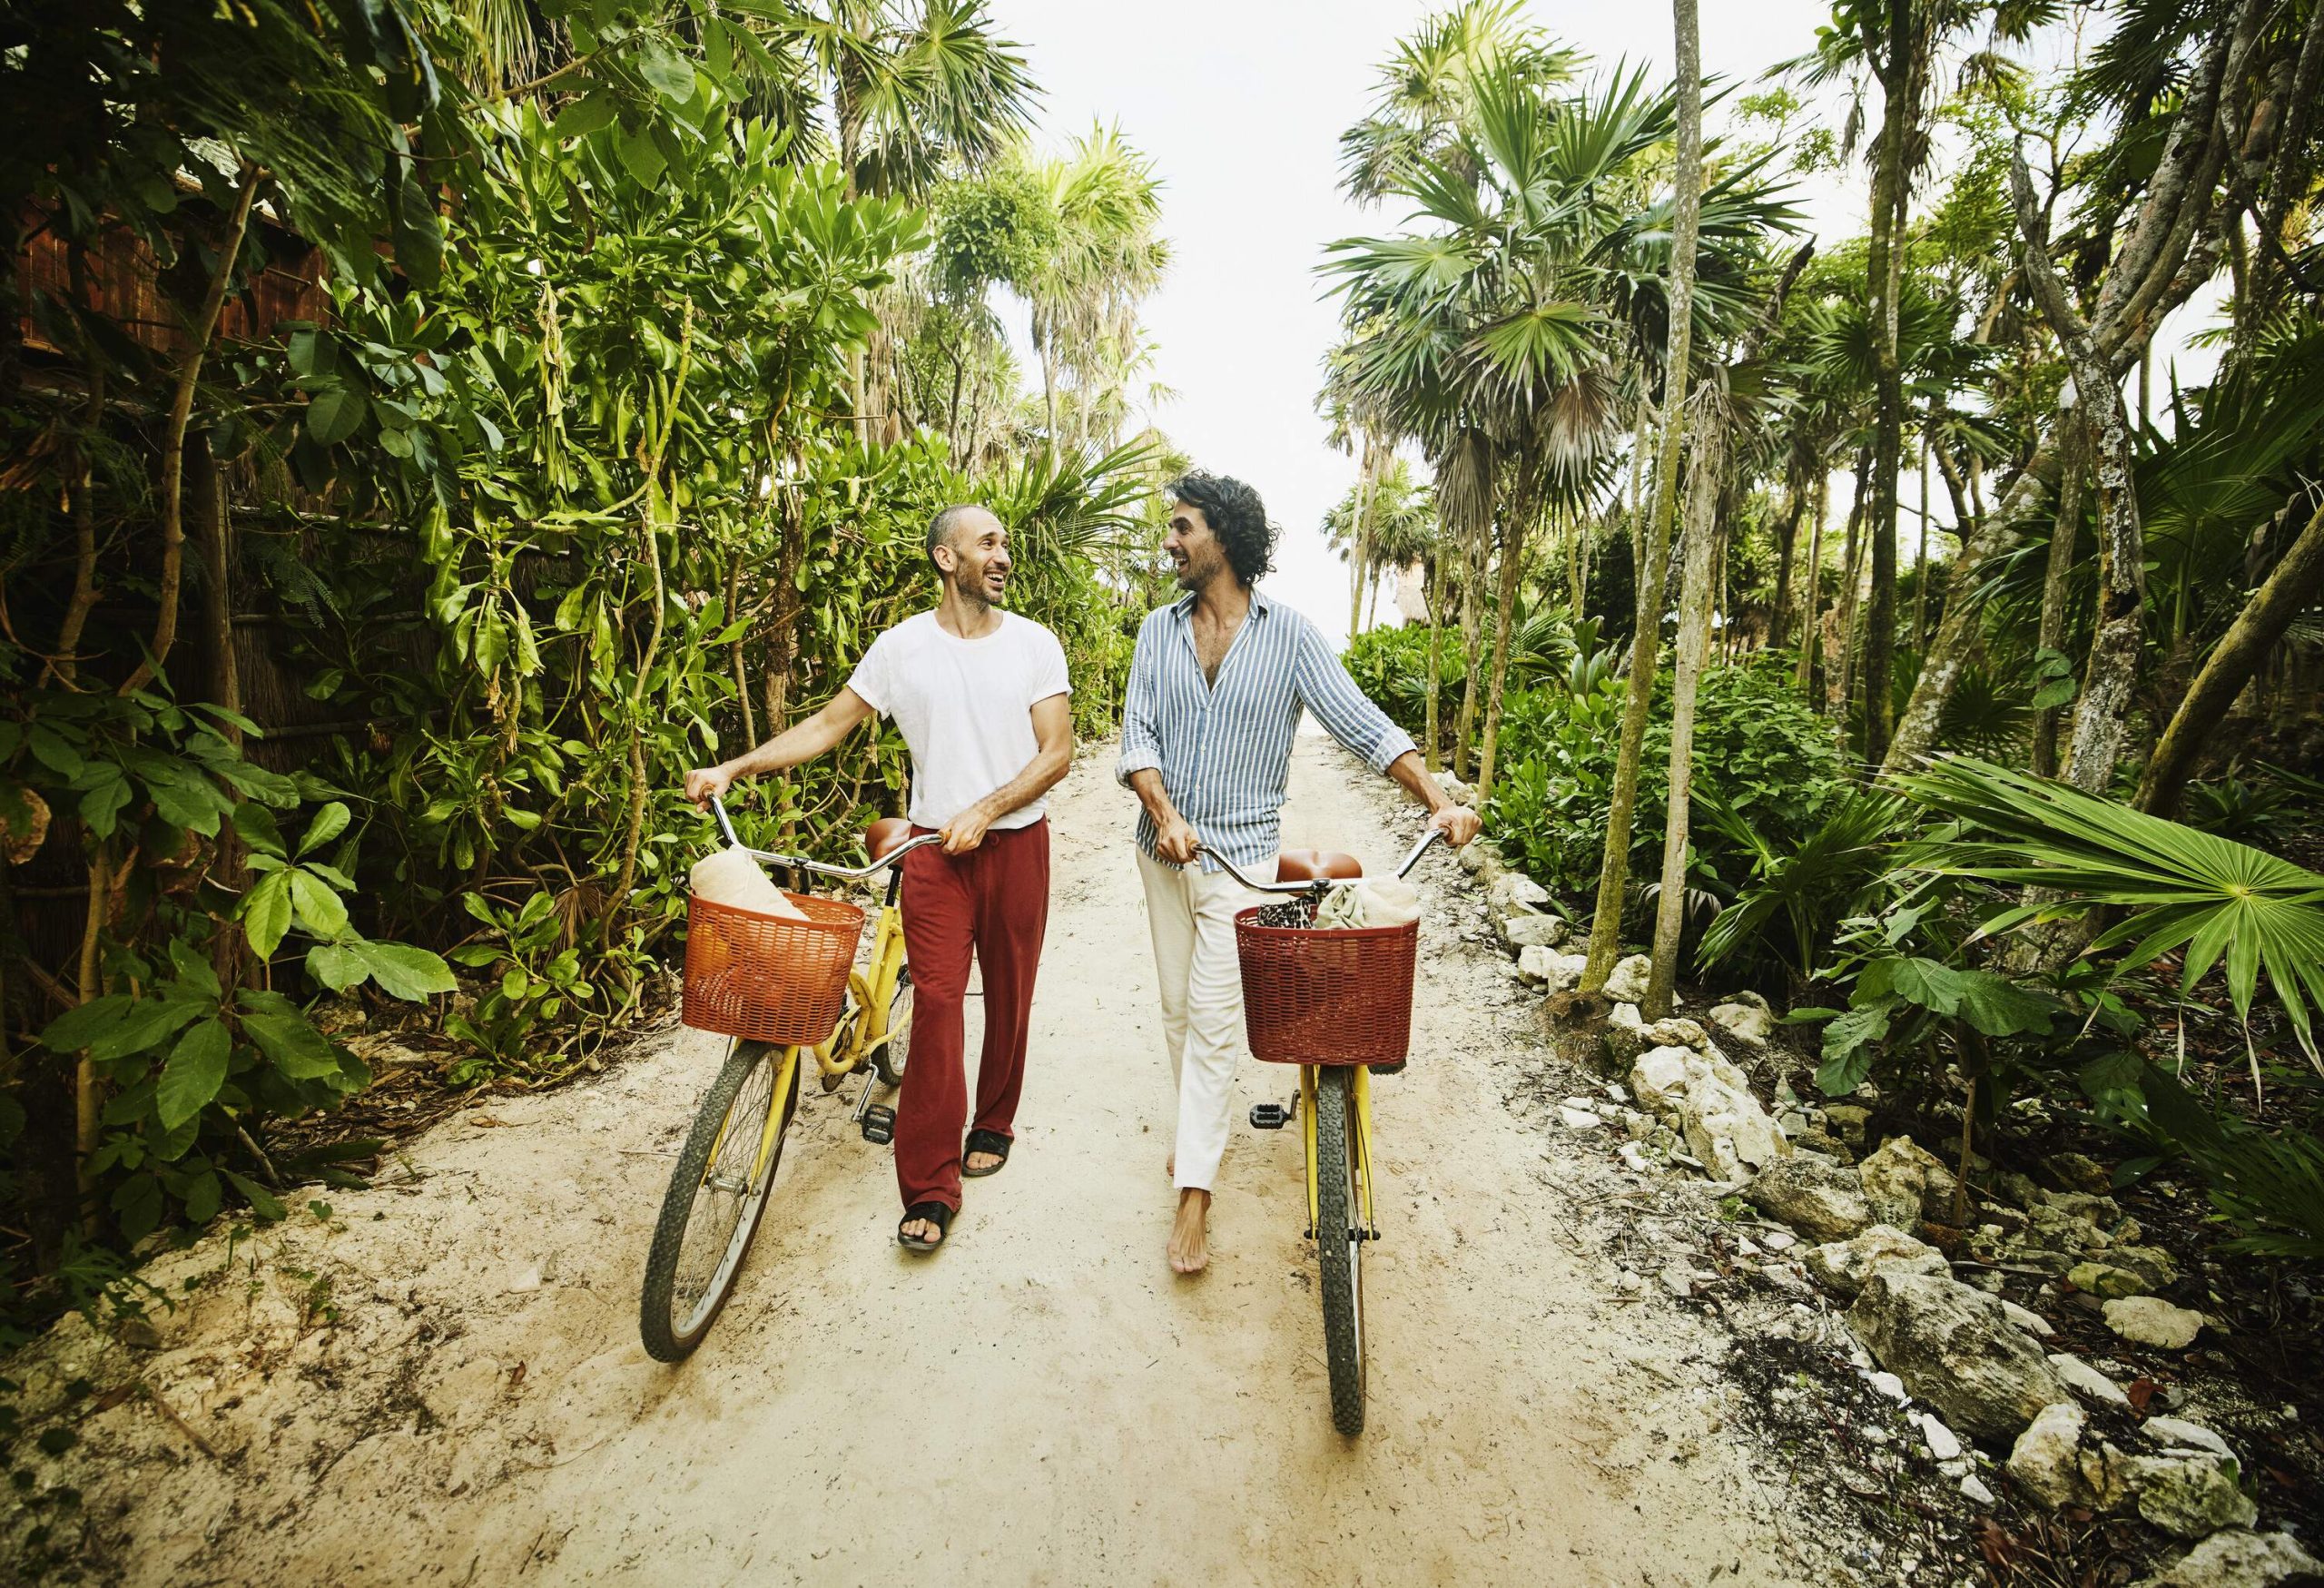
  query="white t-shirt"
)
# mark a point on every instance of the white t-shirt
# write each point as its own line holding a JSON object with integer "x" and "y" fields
{"x": 965, "y": 707}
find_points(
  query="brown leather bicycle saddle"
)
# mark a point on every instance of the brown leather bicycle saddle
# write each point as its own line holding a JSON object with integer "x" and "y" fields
{"x": 883, "y": 836}
{"x": 1305, "y": 866}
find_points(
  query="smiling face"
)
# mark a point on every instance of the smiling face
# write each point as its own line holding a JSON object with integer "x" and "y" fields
{"x": 1194, "y": 549}
{"x": 974, "y": 557}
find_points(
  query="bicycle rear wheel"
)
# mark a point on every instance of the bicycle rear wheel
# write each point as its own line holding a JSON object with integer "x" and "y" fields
{"x": 1339, "y": 1240}
{"x": 717, "y": 1194}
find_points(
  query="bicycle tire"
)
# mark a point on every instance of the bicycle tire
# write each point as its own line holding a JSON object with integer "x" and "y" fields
{"x": 893, "y": 1054}
{"x": 667, "y": 1337}
{"x": 1339, "y": 1246}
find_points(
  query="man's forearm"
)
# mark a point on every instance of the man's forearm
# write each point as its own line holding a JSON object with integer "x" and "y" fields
{"x": 1043, "y": 773}
{"x": 801, "y": 741}
{"x": 1147, "y": 785}
{"x": 1410, "y": 772}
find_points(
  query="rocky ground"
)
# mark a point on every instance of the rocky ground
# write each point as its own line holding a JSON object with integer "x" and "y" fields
{"x": 2020, "y": 1383}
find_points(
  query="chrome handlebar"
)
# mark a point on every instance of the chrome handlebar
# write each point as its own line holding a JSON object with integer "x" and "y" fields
{"x": 1411, "y": 860}
{"x": 718, "y": 809}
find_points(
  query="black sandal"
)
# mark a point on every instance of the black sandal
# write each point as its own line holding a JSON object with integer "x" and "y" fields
{"x": 939, "y": 1214}
{"x": 991, "y": 1141}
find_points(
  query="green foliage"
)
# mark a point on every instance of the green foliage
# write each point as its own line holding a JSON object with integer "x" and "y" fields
{"x": 2168, "y": 888}
{"x": 1796, "y": 894}
{"x": 2269, "y": 1184}
{"x": 1759, "y": 754}
{"x": 1391, "y": 667}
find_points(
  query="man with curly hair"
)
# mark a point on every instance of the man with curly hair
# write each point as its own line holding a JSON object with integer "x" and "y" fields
{"x": 1216, "y": 686}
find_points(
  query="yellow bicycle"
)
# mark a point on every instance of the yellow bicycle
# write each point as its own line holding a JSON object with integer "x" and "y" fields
{"x": 1337, "y": 1003}
{"x": 718, "y": 1191}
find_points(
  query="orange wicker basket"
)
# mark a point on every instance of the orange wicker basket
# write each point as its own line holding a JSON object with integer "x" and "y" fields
{"x": 1327, "y": 997}
{"x": 766, "y": 978}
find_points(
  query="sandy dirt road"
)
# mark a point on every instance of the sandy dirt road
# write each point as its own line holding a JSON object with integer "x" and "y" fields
{"x": 441, "y": 1382}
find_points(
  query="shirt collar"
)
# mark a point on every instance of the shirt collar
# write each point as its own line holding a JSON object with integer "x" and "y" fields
{"x": 1184, "y": 606}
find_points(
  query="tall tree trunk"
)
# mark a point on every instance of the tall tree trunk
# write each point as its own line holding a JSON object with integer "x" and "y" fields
{"x": 1472, "y": 637}
{"x": 1513, "y": 568}
{"x": 1614, "y": 877}
{"x": 1955, "y": 639}
{"x": 1921, "y": 584}
{"x": 87, "y": 1100}
{"x": 2294, "y": 585}
{"x": 1695, "y": 591}
{"x": 1845, "y": 627}
{"x": 173, "y": 436}
{"x": 1838, "y": 667}
{"x": 1786, "y": 540}
{"x": 1811, "y": 592}
{"x": 2102, "y": 714}
{"x": 1895, "y": 65}
{"x": 2056, "y": 581}
{"x": 1433, "y": 752}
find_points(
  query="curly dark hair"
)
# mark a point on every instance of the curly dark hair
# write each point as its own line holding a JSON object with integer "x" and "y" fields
{"x": 1236, "y": 515}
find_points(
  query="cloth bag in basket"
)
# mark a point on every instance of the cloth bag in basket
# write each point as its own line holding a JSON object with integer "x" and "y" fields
{"x": 1376, "y": 902}
{"x": 731, "y": 877}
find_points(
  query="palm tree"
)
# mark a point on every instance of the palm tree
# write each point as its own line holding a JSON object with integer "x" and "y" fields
{"x": 1107, "y": 258}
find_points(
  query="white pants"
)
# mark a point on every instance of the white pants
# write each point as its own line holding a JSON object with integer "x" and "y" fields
{"x": 1192, "y": 914}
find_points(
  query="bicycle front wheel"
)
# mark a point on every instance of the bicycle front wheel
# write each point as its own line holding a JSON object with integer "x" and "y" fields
{"x": 1339, "y": 1240}
{"x": 717, "y": 1194}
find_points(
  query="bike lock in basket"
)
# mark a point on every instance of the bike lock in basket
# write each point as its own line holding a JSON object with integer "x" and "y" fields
{"x": 767, "y": 978}
{"x": 1327, "y": 997}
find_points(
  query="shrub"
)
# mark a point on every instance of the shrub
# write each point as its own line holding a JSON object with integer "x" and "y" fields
{"x": 1759, "y": 753}
{"x": 1391, "y": 667}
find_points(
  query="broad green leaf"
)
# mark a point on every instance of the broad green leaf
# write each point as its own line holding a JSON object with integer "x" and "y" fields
{"x": 266, "y": 912}
{"x": 333, "y": 416}
{"x": 76, "y": 1028}
{"x": 195, "y": 1070}
{"x": 640, "y": 157}
{"x": 146, "y": 1023}
{"x": 335, "y": 965}
{"x": 203, "y": 1197}
{"x": 298, "y": 1050}
{"x": 320, "y": 909}
{"x": 329, "y": 823}
{"x": 666, "y": 72}
{"x": 2000, "y": 1008}
{"x": 587, "y": 114}
{"x": 405, "y": 972}
{"x": 263, "y": 1202}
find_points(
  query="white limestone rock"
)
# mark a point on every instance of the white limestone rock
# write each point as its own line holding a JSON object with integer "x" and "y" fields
{"x": 1628, "y": 983}
{"x": 2087, "y": 1382}
{"x": 2239, "y": 1558}
{"x": 2149, "y": 1320}
{"x": 1842, "y": 1266}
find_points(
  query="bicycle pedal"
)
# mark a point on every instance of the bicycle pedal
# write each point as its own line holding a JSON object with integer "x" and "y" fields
{"x": 1269, "y": 1116}
{"x": 880, "y": 1124}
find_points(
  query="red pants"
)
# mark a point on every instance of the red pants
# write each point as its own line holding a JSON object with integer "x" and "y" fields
{"x": 993, "y": 900}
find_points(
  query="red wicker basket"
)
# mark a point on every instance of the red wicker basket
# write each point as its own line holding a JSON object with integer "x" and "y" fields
{"x": 766, "y": 978}
{"x": 1327, "y": 997}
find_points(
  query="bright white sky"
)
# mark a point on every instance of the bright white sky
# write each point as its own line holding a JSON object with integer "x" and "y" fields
{"x": 1241, "y": 105}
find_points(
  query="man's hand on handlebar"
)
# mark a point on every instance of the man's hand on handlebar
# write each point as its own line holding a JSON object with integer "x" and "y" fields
{"x": 704, "y": 784}
{"x": 1459, "y": 821}
{"x": 1175, "y": 841}
{"x": 966, "y": 830}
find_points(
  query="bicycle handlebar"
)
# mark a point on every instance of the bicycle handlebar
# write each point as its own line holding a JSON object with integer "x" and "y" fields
{"x": 718, "y": 809}
{"x": 1411, "y": 860}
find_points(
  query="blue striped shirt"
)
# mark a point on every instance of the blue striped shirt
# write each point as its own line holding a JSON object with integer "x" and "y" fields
{"x": 1224, "y": 750}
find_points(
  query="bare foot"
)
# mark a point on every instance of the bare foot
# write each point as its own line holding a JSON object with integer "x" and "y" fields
{"x": 1189, "y": 1236}
{"x": 983, "y": 1163}
{"x": 922, "y": 1230}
